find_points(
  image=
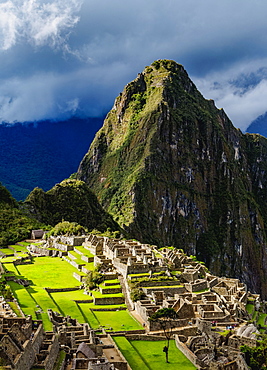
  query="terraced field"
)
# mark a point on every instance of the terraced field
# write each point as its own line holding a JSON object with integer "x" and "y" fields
{"x": 56, "y": 273}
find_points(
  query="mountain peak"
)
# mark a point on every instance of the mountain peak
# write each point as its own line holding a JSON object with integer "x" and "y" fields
{"x": 172, "y": 170}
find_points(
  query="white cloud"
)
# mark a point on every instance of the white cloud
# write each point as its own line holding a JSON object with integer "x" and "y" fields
{"x": 10, "y": 24}
{"x": 242, "y": 105}
{"x": 63, "y": 56}
{"x": 37, "y": 22}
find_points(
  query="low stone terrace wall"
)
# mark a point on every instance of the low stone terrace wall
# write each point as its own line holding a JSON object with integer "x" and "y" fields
{"x": 109, "y": 290}
{"x": 156, "y": 283}
{"x": 108, "y": 300}
{"x": 144, "y": 337}
{"x": 167, "y": 290}
{"x": 55, "y": 290}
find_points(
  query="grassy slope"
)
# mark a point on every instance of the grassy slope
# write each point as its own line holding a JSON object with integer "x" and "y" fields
{"x": 57, "y": 273}
{"x": 149, "y": 355}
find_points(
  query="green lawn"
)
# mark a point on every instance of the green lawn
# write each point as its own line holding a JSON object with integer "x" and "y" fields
{"x": 11, "y": 267}
{"x": 49, "y": 272}
{"x": 261, "y": 319}
{"x": 250, "y": 308}
{"x": 84, "y": 251}
{"x": 135, "y": 361}
{"x": 143, "y": 355}
{"x": 18, "y": 248}
{"x": 88, "y": 315}
{"x": 9, "y": 260}
{"x": 97, "y": 294}
{"x": 111, "y": 282}
{"x": 57, "y": 273}
{"x": 26, "y": 301}
{"x": 6, "y": 251}
{"x": 117, "y": 320}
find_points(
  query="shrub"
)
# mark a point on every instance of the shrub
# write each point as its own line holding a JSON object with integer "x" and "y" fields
{"x": 67, "y": 228}
{"x": 137, "y": 294}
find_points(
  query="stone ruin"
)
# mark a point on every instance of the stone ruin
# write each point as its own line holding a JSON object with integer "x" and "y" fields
{"x": 201, "y": 300}
{"x": 23, "y": 343}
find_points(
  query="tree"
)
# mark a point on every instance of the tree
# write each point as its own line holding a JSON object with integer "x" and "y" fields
{"x": 93, "y": 279}
{"x": 256, "y": 357}
{"x": 165, "y": 317}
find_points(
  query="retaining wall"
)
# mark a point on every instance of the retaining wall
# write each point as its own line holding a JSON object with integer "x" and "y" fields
{"x": 109, "y": 300}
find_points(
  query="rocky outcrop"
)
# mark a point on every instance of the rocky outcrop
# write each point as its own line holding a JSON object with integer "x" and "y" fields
{"x": 173, "y": 170}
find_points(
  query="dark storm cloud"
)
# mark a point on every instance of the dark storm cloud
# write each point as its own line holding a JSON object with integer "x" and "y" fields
{"x": 65, "y": 57}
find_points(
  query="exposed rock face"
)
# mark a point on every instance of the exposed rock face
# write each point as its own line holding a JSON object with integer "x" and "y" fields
{"x": 172, "y": 170}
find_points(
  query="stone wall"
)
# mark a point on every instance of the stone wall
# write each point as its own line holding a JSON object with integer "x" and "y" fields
{"x": 38, "y": 339}
{"x": 56, "y": 290}
{"x": 109, "y": 290}
{"x": 63, "y": 247}
{"x": 108, "y": 300}
{"x": 170, "y": 291}
{"x": 157, "y": 283}
{"x": 155, "y": 325}
{"x": 38, "y": 250}
{"x": 236, "y": 341}
{"x": 73, "y": 263}
{"x": 78, "y": 276}
{"x": 87, "y": 259}
{"x": 186, "y": 351}
{"x": 73, "y": 240}
{"x": 197, "y": 286}
{"x": 119, "y": 365}
{"x": 53, "y": 353}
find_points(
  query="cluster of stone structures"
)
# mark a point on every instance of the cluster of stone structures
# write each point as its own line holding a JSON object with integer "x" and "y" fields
{"x": 205, "y": 305}
{"x": 201, "y": 301}
{"x": 24, "y": 343}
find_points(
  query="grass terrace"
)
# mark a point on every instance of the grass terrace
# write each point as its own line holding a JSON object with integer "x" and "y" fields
{"x": 56, "y": 273}
{"x": 18, "y": 248}
{"x": 6, "y": 251}
{"x": 148, "y": 355}
{"x": 84, "y": 251}
{"x": 97, "y": 294}
{"x": 49, "y": 272}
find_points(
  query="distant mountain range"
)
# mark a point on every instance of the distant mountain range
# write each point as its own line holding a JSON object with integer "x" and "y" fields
{"x": 44, "y": 153}
{"x": 259, "y": 125}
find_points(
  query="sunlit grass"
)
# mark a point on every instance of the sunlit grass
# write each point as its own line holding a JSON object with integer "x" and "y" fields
{"x": 143, "y": 355}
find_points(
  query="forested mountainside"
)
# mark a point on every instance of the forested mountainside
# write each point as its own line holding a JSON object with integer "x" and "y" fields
{"x": 14, "y": 223}
{"x": 73, "y": 201}
{"x": 172, "y": 170}
{"x": 42, "y": 153}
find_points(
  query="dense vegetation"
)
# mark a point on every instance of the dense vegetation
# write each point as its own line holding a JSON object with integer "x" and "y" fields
{"x": 71, "y": 200}
{"x": 15, "y": 225}
{"x": 44, "y": 153}
{"x": 66, "y": 228}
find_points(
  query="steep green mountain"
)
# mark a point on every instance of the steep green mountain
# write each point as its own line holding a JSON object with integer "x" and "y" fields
{"x": 71, "y": 200}
{"x": 172, "y": 170}
{"x": 15, "y": 225}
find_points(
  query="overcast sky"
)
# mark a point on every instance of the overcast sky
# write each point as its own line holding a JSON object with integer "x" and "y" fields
{"x": 64, "y": 57}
